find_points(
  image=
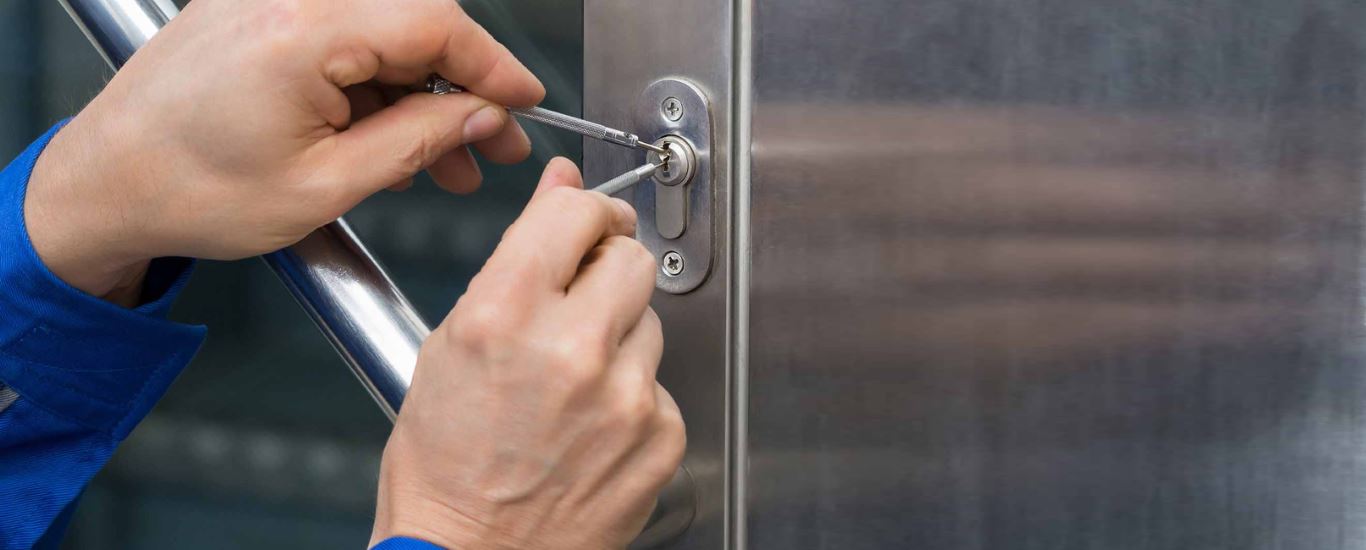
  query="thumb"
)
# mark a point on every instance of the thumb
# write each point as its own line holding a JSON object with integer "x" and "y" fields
{"x": 560, "y": 172}
{"x": 399, "y": 141}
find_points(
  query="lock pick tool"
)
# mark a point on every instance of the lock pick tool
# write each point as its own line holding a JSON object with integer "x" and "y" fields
{"x": 440, "y": 86}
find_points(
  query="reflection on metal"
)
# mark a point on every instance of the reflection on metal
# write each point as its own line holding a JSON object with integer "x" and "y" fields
{"x": 677, "y": 213}
{"x": 672, "y": 515}
{"x": 1018, "y": 275}
{"x": 671, "y": 205}
{"x": 358, "y": 308}
{"x": 682, "y": 161}
{"x": 345, "y": 291}
{"x": 694, "y": 367}
{"x": 119, "y": 27}
{"x": 1069, "y": 275}
{"x": 337, "y": 281}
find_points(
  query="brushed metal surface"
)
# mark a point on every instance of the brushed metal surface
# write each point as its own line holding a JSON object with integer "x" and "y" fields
{"x": 338, "y": 282}
{"x": 1057, "y": 275}
{"x": 629, "y": 44}
{"x": 678, "y": 218}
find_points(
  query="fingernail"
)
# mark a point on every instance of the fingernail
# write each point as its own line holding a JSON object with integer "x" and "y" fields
{"x": 483, "y": 124}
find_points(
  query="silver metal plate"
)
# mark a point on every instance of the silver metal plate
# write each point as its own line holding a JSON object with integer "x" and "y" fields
{"x": 695, "y": 125}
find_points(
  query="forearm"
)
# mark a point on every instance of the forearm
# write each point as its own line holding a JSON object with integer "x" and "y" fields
{"x": 81, "y": 216}
{"x": 85, "y": 371}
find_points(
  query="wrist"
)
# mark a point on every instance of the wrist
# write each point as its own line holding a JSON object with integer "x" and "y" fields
{"x": 81, "y": 217}
{"x": 405, "y": 509}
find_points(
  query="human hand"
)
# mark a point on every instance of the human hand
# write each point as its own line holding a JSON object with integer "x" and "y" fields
{"x": 534, "y": 418}
{"x": 243, "y": 126}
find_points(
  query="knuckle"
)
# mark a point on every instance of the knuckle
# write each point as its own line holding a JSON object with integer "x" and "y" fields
{"x": 488, "y": 66}
{"x": 651, "y": 326}
{"x": 579, "y": 359}
{"x": 428, "y": 35}
{"x": 643, "y": 260}
{"x": 651, "y": 320}
{"x": 672, "y": 434}
{"x": 670, "y": 424}
{"x": 512, "y": 269}
{"x": 482, "y": 325}
{"x": 350, "y": 65}
{"x": 634, "y": 255}
{"x": 486, "y": 56}
{"x": 633, "y": 408}
{"x": 278, "y": 25}
{"x": 416, "y": 152}
{"x": 668, "y": 418}
{"x": 562, "y": 199}
{"x": 629, "y": 415}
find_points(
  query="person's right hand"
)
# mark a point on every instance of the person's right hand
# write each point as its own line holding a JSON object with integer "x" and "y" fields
{"x": 244, "y": 125}
{"x": 534, "y": 418}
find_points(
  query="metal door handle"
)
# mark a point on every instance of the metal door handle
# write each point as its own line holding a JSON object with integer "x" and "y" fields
{"x": 359, "y": 309}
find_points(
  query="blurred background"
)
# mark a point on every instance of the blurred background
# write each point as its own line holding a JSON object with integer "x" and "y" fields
{"x": 266, "y": 440}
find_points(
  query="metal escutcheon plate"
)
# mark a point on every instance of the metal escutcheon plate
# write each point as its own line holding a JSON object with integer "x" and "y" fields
{"x": 695, "y": 125}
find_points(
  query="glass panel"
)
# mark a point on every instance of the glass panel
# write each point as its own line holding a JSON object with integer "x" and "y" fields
{"x": 267, "y": 440}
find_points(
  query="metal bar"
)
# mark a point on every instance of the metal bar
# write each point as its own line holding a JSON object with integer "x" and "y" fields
{"x": 346, "y": 292}
{"x": 620, "y": 183}
{"x": 336, "y": 280}
{"x": 359, "y": 309}
{"x": 587, "y": 128}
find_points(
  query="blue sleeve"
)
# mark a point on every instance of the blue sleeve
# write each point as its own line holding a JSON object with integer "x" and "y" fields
{"x": 405, "y": 543}
{"x": 76, "y": 373}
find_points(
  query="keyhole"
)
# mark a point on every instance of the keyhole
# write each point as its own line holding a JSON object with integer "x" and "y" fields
{"x": 678, "y": 169}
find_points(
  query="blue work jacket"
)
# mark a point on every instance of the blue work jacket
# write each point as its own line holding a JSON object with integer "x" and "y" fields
{"x": 77, "y": 374}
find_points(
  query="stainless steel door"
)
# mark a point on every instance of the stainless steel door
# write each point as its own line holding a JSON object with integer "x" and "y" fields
{"x": 1057, "y": 274}
{"x": 628, "y": 44}
{"x": 1008, "y": 274}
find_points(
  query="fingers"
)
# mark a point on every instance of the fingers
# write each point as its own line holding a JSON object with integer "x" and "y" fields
{"x": 559, "y": 172}
{"x": 397, "y": 142}
{"x": 510, "y": 146}
{"x": 614, "y": 285}
{"x": 474, "y": 60}
{"x": 457, "y": 172}
{"x": 402, "y": 44}
{"x": 671, "y": 434}
{"x": 642, "y": 347}
{"x": 558, "y": 228}
{"x": 365, "y": 100}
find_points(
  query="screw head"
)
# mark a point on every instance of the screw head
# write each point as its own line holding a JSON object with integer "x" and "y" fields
{"x": 672, "y": 264}
{"x": 672, "y": 109}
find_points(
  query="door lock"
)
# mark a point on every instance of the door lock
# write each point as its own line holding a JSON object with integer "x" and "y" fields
{"x": 682, "y": 161}
{"x": 676, "y": 208}
{"x": 671, "y": 193}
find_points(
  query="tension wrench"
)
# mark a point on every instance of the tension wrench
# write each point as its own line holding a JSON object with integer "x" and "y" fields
{"x": 440, "y": 86}
{"x": 614, "y": 185}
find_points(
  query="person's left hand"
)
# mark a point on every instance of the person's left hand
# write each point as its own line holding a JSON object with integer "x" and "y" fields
{"x": 244, "y": 125}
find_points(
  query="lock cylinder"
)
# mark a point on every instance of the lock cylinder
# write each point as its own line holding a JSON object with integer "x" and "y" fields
{"x": 682, "y": 162}
{"x": 677, "y": 222}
